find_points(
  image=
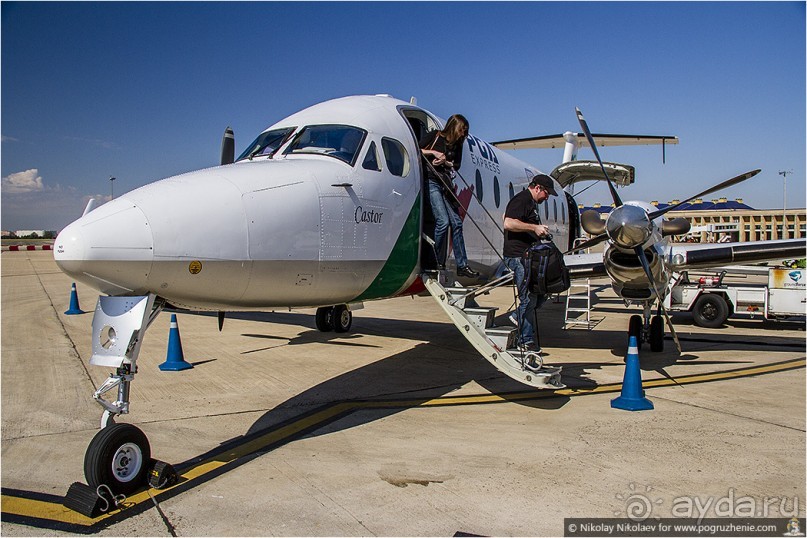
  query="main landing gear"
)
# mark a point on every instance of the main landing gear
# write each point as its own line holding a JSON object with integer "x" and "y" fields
{"x": 334, "y": 318}
{"x": 647, "y": 328}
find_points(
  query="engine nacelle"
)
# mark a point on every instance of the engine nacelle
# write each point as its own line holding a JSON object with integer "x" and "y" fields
{"x": 627, "y": 275}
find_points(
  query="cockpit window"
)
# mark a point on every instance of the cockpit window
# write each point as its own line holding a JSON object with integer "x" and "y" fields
{"x": 267, "y": 143}
{"x": 396, "y": 157}
{"x": 340, "y": 141}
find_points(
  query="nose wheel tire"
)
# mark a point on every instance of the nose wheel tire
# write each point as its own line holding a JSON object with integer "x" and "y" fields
{"x": 118, "y": 456}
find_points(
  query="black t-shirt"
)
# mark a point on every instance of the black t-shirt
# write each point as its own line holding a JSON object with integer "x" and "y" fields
{"x": 453, "y": 152}
{"x": 522, "y": 207}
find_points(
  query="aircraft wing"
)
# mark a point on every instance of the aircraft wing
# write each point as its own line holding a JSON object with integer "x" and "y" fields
{"x": 585, "y": 265}
{"x": 602, "y": 140}
{"x": 707, "y": 255}
{"x": 699, "y": 256}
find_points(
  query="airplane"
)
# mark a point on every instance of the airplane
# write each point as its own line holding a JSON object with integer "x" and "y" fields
{"x": 325, "y": 209}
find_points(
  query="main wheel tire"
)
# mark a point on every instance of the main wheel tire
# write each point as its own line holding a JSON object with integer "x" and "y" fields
{"x": 118, "y": 456}
{"x": 635, "y": 329}
{"x": 657, "y": 334}
{"x": 342, "y": 318}
{"x": 710, "y": 311}
{"x": 324, "y": 318}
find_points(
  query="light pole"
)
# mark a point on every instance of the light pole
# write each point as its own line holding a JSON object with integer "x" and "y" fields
{"x": 784, "y": 174}
{"x": 112, "y": 187}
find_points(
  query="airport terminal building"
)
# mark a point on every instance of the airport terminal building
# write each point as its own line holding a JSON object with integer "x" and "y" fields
{"x": 711, "y": 219}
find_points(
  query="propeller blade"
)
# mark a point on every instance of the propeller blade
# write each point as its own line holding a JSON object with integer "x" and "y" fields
{"x": 590, "y": 139}
{"x": 728, "y": 183}
{"x": 588, "y": 244}
{"x": 228, "y": 146}
{"x": 646, "y": 266}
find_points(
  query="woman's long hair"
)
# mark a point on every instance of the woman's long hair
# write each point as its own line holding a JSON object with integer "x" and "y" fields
{"x": 455, "y": 129}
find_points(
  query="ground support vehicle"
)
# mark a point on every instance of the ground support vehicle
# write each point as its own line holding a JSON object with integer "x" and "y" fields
{"x": 712, "y": 301}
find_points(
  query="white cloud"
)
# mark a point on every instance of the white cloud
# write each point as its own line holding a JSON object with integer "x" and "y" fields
{"x": 8, "y": 138}
{"x": 21, "y": 182}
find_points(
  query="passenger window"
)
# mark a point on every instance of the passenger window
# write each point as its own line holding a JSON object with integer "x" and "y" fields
{"x": 555, "y": 210}
{"x": 371, "y": 159}
{"x": 479, "y": 186}
{"x": 510, "y": 190}
{"x": 496, "y": 194}
{"x": 546, "y": 210}
{"x": 396, "y": 157}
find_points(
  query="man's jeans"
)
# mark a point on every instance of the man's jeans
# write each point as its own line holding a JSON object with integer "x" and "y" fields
{"x": 445, "y": 214}
{"x": 528, "y": 305}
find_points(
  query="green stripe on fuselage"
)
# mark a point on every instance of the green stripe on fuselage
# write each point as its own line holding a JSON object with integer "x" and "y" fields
{"x": 401, "y": 262}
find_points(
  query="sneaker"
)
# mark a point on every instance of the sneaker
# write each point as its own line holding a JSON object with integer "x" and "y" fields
{"x": 467, "y": 272}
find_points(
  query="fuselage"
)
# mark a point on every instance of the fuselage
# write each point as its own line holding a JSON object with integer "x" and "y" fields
{"x": 325, "y": 207}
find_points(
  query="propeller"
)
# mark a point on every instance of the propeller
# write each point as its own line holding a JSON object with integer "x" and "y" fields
{"x": 630, "y": 226}
{"x": 228, "y": 146}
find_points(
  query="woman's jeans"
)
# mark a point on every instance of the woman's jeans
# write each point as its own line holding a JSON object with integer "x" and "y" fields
{"x": 444, "y": 215}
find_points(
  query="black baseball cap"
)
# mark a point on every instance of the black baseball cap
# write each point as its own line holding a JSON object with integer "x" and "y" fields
{"x": 544, "y": 181}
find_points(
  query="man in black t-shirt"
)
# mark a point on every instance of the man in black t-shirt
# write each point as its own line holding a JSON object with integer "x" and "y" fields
{"x": 522, "y": 228}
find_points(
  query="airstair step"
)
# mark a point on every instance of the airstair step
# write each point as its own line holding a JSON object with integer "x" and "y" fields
{"x": 502, "y": 337}
{"x": 482, "y": 318}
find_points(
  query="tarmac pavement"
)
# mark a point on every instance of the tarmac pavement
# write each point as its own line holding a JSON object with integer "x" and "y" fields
{"x": 398, "y": 428}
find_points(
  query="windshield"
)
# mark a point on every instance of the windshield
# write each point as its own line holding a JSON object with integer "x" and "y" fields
{"x": 266, "y": 143}
{"x": 340, "y": 141}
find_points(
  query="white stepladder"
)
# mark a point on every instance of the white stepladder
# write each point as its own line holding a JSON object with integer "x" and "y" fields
{"x": 578, "y": 303}
{"x": 495, "y": 344}
{"x": 578, "y": 306}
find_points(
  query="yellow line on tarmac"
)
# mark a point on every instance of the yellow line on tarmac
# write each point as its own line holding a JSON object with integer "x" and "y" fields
{"x": 46, "y": 510}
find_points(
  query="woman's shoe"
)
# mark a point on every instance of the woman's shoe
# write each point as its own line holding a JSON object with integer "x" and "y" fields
{"x": 467, "y": 272}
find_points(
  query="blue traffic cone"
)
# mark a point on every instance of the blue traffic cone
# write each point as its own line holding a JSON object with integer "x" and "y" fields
{"x": 174, "y": 359}
{"x": 74, "y": 307}
{"x": 632, "y": 396}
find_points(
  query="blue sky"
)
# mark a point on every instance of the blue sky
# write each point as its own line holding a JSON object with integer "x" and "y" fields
{"x": 142, "y": 91}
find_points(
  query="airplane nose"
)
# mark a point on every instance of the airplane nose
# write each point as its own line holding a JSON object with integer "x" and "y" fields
{"x": 69, "y": 251}
{"x": 110, "y": 248}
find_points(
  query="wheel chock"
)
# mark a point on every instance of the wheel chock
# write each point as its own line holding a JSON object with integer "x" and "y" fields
{"x": 174, "y": 360}
{"x": 161, "y": 474}
{"x": 85, "y": 500}
{"x": 632, "y": 396}
{"x": 74, "y": 307}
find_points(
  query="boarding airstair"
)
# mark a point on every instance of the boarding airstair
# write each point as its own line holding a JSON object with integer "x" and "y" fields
{"x": 496, "y": 344}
